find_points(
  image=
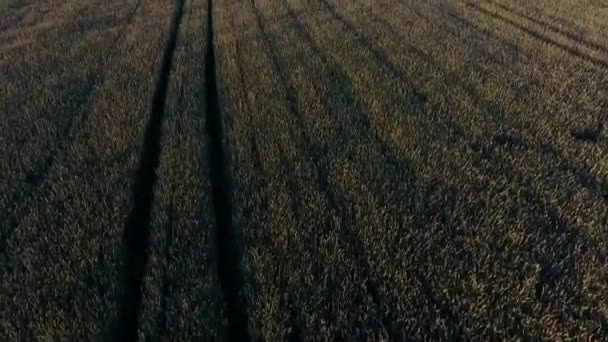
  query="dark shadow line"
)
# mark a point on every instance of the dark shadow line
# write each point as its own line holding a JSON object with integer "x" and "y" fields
{"x": 294, "y": 334}
{"x": 34, "y": 178}
{"x": 162, "y": 318}
{"x": 137, "y": 228}
{"x": 293, "y": 104}
{"x": 549, "y": 230}
{"x": 595, "y": 184}
{"x": 419, "y": 99}
{"x": 292, "y": 107}
{"x": 328, "y": 188}
{"x": 592, "y": 60}
{"x": 455, "y": 327}
{"x": 572, "y": 24}
{"x": 563, "y": 227}
{"x": 450, "y": 14}
{"x": 579, "y": 40}
{"x": 227, "y": 239}
{"x": 355, "y": 245}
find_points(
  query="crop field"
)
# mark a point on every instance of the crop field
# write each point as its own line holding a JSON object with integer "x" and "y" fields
{"x": 303, "y": 170}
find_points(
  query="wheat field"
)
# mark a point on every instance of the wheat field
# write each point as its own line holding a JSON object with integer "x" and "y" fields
{"x": 303, "y": 170}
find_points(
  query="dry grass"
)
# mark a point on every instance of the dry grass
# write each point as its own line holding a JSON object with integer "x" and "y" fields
{"x": 434, "y": 170}
{"x": 59, "y": 77}
{"x": 182, "y": 300}
{"x": 417, "y": 170}
{"x": 62, "y": 242}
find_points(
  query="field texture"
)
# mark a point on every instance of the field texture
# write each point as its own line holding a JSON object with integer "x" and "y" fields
{"x": 303, "y": 170}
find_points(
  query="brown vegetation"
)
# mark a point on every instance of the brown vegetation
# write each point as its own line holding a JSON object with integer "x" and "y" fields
{"x": 365, "y": 170}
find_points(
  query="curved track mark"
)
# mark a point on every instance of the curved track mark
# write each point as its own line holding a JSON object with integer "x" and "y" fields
{"x": 547, "y": 40}
{"x": 136, "y": 232}
{"x": 229, "y": 253}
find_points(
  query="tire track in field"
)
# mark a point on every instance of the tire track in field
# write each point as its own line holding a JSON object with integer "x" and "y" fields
{"x": 137, "y": 226}
{"x": 574, "y": 235}
{"x": 228, "y": 251}
{"x": 452, "y": 19}
{"x": 35, "y": 178}
{"x": 455, "y": 328}
{"x": 322, "y": 174}
{"x": 550, "y": 27}
{"x": 539, "y": 36}
{"x": 552, "y": 229}
{"x": 569, "y": 23}
{"x": 294, "y": 321}
{"x": 166, "y": 288}
{"x": 335, "y": 201}
{"x": 588, "y": 134}
{"x": 595, "y": 184}
{"x": 418, "y": 99}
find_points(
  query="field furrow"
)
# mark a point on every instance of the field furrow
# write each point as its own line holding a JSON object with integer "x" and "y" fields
{"x": 303, "y": 170}
{"x": 181, "y": 298}
{"x": 58, "y": 111}
{"x": 62, "y": 257}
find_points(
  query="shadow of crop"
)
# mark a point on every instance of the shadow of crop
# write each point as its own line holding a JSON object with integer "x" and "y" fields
{"x": 544, "y": 215}
{"x": 595, "y": 184}
{"x": 579, "y": 40}
{"x": 540, "y": 37}
{"x": 228, "y": 250}
{"x": 352, "y": 128}
{"x": 137, "y": 226}
{"x": 83, "y": 93}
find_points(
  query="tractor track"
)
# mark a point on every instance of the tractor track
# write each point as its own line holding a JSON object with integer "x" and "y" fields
{"x": 539, "y": 36}
{"x": 587, "y": 43}
{"x": 137, "y": 227}
{"x": 226, "y": 234}
{"x": 36, "y": 177}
